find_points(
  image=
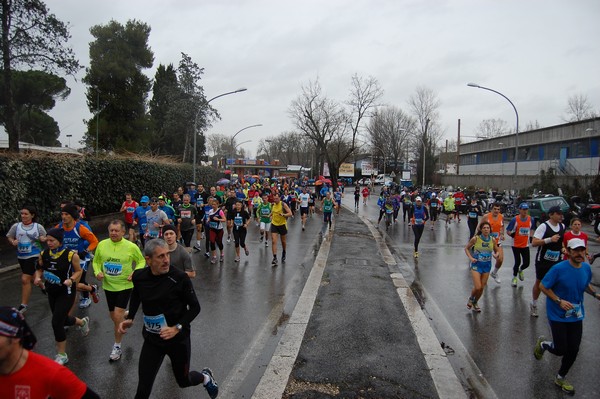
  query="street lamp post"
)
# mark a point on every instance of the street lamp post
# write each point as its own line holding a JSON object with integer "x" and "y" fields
{"x": 235, "y": 134}
{"x": 196, "y": 124}
{"x": 516, "y": 130}
{"x": 69, "y": 137}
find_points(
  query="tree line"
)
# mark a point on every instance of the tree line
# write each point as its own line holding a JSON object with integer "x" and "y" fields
{"x": 35, "y": 52}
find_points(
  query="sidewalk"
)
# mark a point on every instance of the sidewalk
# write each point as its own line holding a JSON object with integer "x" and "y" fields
{"x": 358, "y": 331}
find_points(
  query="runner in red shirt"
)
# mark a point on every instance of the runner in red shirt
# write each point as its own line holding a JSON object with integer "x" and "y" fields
{"x": 25, "y": 374}
{"x": 576, "y": 232}
{"x": 365, "y": 194}
{"x": 128, "y": 210}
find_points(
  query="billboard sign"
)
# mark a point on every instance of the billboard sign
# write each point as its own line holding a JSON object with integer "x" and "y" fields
{"x": 346, "y": 170}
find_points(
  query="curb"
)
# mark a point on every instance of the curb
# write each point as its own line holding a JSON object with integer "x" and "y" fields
{"x": 276, "y": 376}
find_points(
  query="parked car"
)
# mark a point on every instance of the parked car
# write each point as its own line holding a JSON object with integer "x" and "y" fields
{"x": 381, "y": 179}
{"x": 538, "y": 208}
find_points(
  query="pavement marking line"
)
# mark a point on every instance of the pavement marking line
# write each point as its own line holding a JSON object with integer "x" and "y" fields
{"x": 233, "y": 381}
{"x": 9, "y": 268}
{"x": 276, "y": 376}
{"x": 444, "y": 378}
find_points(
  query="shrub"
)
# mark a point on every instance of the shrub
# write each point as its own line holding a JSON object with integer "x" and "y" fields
{"x": 100, "y": 183}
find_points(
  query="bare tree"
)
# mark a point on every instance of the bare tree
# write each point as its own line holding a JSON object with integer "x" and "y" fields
{"x": 291, "y": 148}
{"x": 489, "y": 128}
{"x": 333, "y": 127}
{"x": 578, "y": 109}
{"x": 424, "y": 105}
{"x": 388, "y": 132}
{"x": 532, "y": 125}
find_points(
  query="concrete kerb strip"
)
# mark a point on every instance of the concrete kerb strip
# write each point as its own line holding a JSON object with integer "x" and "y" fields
{"x": 444, "y": 378}
{"x": 276, "y": 376}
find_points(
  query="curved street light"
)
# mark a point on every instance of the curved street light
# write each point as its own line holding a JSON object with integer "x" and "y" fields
{"x": 238, "y": 132}
{"x": 196, "y": 125}
{"x": 516, "y": 131}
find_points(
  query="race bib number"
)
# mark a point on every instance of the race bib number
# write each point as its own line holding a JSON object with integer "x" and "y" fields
{"x": 434, "y": 205}
{"x": 552, "y": 256}
{"x": 238, "y": 221}
{"x": 113, "y": 268}
{"x": 523, "y": 231}
{"x": 576, "y": 312}
{"x": 327, "y": 208}
{"x": 484, "y": 256}
{"x": 388, "y": 211}
{"x": 186, "y": 214}
{"x": 51, "y": 278}
{"x": 143, "y": 226}
{"x": 473, "y": 215}
{"x": 24, "y": 247}
{"x": 130, "y": 209}
{"x": 495, "y": 235}
{"x": 418, "y": 221}
{"x": 213, "y": 225}
{"x": 265, "y": 211}
{"x": 153, "y": 324}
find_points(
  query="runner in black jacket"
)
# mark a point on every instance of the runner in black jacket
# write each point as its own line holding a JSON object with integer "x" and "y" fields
{"x": 170, "y": 304}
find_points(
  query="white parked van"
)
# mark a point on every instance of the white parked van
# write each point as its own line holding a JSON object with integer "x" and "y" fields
{"x": 381, "y": 179}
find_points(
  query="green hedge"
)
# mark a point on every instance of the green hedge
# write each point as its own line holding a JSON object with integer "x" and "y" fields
{"x": 100, "y": 183}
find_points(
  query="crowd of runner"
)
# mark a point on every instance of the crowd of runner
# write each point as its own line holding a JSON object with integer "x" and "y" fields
{"x": 167, "y": 228}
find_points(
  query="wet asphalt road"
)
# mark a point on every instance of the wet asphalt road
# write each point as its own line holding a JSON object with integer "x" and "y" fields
{"x": 499, "y": 340}
{"x": 243, "y": 304}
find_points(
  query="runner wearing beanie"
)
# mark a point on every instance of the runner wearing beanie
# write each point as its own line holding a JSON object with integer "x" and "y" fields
{"x": 60, "y": 269}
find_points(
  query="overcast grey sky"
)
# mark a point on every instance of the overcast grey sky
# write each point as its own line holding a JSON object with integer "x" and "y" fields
{"x": 536, "y": 52}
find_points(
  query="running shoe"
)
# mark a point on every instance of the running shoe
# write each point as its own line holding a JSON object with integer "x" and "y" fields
{"x": 85, "y": 327}
{"x": 274, "y": 262}
{"x": 470, "y": 303}
{"x": 22, "y": 308}
{"x": 514, "y": 282}
{"x": 283, "y": 257}
{"x": 61, "y": 359}
{"x": 533, "y": 310}
{"x": 302, "y": 228}
{"x": 197, "y": 248}
{"x": 476, "y": 307}
{"x": 521, "y": 275}
{"x": 266, "y": 243}
{"x": 212, "y": 388}
{"x": 538, "y": 350}
{"x": 237, "y": 259}
{"x": 207, "y": 254}
{"x": 115, "y": 354}
{"x": 85, "y": 303}
{"x": 228, "y": 239}
{"x": 247, "y": 251}
{"x": 261, "y": 239}
{"x": 94, "y": 293}
{"x": 213, "y": 260}
{"x": 495, "y": 277}
{"x": 416, "y": 254}
{"x": 222, "y": 258}
{"x": 564, "y": 385}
